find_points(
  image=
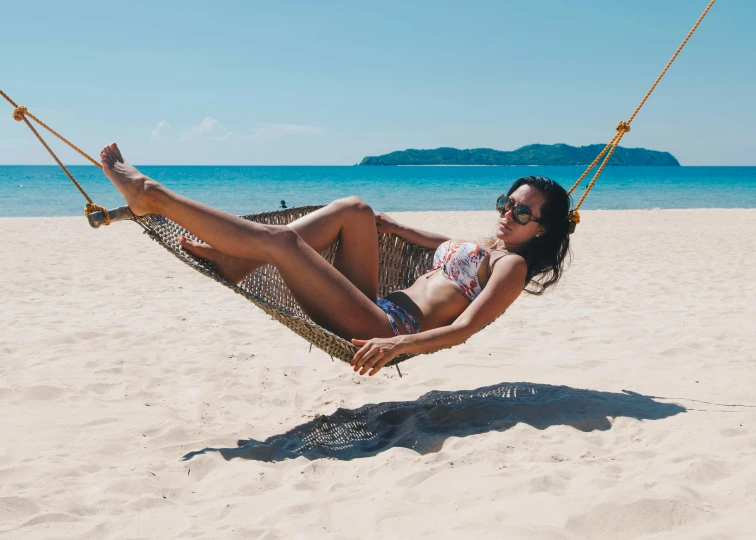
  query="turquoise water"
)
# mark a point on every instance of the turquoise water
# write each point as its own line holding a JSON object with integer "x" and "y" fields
{"x": 46, "y": 191}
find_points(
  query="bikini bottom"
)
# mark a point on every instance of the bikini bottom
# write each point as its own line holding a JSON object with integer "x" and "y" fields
{"x": 394, "y": 312}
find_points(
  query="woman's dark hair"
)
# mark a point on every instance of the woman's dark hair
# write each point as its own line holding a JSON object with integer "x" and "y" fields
{"x": 545, "y": 254}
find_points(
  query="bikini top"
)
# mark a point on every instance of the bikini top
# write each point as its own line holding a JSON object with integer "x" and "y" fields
{"x": 460, "y": 264}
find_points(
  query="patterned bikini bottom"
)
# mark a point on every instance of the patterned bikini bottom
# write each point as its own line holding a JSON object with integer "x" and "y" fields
{"x": 394, "y": 312}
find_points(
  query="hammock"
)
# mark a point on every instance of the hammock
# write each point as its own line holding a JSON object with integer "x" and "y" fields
{"x": 400, "y": 262}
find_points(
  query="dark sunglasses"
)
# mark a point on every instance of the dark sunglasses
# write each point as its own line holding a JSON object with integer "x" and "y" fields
{"x": 520, "y": 213}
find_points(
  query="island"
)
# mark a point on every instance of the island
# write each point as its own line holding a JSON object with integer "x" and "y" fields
{"x": 532, "y": 154}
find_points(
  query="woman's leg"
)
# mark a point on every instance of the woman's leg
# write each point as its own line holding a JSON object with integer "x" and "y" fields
{"x": 323, "y": 292}
{"x": 350, "y": 220}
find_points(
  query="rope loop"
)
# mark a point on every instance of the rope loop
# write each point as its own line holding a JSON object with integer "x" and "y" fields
{"x": 91, "y": 208}
{"x": 623, "y": 127}
{"x": 19, "y": 113}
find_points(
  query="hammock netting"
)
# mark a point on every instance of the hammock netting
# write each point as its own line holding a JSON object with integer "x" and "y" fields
{"x": 400, "y": 264}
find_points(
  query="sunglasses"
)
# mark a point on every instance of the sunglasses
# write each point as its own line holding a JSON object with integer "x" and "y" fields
{"x": 520, "y": 213}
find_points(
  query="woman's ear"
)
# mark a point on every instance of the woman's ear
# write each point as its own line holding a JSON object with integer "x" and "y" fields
{"x": 541, "y": 230}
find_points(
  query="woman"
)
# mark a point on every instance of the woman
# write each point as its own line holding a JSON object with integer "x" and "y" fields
{"x": 469, "y": 286}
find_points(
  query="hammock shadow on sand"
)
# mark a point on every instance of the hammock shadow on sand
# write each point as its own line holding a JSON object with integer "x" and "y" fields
{"x": 425, "y": 423}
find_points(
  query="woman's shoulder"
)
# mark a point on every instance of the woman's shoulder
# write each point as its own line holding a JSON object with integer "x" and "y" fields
{"x": 509, "y": 261}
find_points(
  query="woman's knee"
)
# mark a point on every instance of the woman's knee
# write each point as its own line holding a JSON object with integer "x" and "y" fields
{"x": 353, "y": 204}
{"x": 277, "y": 240}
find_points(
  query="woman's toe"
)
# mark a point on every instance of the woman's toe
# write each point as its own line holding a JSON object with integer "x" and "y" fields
{"x": 190, "y": 245}
{"x": 116, "y": 152}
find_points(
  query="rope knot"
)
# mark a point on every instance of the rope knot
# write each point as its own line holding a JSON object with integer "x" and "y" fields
{"x": 574, "y": 218}
{"x": 623, "y": 127}
{"x": 19, "y": 113}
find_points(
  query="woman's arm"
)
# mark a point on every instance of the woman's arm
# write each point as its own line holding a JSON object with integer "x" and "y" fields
{"x": 502, "y": 289}
{"x": 427, "y": 239}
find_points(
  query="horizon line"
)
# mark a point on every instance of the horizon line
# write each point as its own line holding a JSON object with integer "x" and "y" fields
{"x": 338, "y": 165}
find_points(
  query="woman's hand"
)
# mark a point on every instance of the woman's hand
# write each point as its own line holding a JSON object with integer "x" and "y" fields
{"x": 375, "y": 353}
{"x": 385, "y": 224}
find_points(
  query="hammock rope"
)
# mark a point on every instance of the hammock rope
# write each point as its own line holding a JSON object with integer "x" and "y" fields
{"x": 22, "y": 114}
{"x": 624, "y": 127}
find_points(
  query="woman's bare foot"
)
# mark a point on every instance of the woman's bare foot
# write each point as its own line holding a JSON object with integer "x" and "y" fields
{"x": 133, "y": 185}
{"x": 233, "y": 269}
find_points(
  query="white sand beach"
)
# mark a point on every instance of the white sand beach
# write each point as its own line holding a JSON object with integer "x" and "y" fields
{"x": 141, "y": 400}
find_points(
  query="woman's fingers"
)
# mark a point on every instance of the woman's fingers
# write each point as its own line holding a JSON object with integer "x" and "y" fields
{"x": 372, "y": 357}
{"x": 366, "y": 357}
{"x": 361, "y": 352}
{"x": 380, "y": 223}
{"x": 370, "y": 362}
{"x": 379, "y": 366}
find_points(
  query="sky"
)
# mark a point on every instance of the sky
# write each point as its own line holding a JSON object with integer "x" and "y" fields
{"x": 329, "y": 82}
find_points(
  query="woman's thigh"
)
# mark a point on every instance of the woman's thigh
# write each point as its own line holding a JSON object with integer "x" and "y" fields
{"x": 351, "y": 221}
{"x": 324, "y": 293}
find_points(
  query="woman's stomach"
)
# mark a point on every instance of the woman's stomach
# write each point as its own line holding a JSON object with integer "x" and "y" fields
{"x": 433, "y": 300}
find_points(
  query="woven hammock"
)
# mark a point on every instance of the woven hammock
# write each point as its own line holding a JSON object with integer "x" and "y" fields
{"x": 400, "y": 264}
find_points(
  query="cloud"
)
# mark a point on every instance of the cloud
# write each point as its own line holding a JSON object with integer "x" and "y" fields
{"x": 161, "y": 128}
{"x": 208, "y": 124}
{"x": 281, "y": 130}
{"x": 209, "y": 127}
{"x": 274, "y": 131}
{"x": 228, "y": 136}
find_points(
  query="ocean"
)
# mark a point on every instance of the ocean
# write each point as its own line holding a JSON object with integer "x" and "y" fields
{"x": 46, "y": 191}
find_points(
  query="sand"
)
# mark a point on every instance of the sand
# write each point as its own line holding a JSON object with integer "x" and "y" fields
{"x": 142, "y": 400}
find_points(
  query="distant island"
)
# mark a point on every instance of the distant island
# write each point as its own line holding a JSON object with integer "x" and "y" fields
{"x": 532, "y": 154}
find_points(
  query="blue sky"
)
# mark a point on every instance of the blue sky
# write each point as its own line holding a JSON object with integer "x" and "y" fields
{"x": 329, "y": 82}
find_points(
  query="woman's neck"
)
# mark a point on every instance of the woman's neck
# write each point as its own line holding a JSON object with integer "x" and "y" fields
{"x": 495, "y": 243}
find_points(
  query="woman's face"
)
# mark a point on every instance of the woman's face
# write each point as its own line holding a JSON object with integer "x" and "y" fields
{"x": 513, "y": 233}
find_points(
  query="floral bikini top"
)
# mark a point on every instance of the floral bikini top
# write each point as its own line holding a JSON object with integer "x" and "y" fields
{"x": 460, "y": 265}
